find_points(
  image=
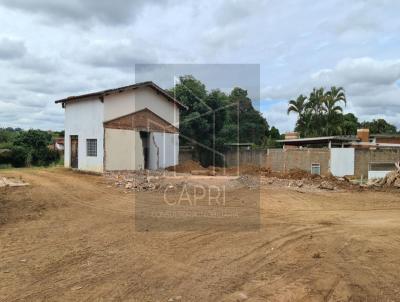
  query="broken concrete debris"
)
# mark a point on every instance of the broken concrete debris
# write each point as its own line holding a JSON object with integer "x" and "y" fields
{"x": 325, "y": 185}
{"x": 191, "y": 173}
{"x": 391, "y": 180}
{"x": 12, "y": 182}
{"x": 138, "y": 181}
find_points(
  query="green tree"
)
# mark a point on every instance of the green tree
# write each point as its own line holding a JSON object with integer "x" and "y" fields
{"x": 7, "y": 137}
{"x": 298, "y": 106}
{"x": 379, "y": 126}
{"x": 320, "y": 113}
{"x": 214, "y": 119}
{"x": 349, "y": 124}
{"x": 204, "y": 119}
{"x": 333, "y": 111}
{"x": 273, "y": 136}
{"x": 34, "y": 139}
{"x": 33, "y": 144}
{"x": 249, "y": 122}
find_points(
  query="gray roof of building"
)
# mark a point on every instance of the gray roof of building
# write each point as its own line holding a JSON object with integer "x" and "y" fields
{"x": 320, "y": 139}
{"x": 103, "y": 93}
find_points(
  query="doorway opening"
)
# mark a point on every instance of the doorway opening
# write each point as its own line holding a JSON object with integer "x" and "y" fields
{"x": 74, "y": 151}
{"x": 144, "y": 136}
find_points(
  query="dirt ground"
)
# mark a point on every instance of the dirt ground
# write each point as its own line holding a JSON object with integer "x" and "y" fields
{"x": 71, "y": 237}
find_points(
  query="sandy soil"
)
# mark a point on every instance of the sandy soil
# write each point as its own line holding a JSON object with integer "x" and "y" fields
{"x": 70, "y": 236}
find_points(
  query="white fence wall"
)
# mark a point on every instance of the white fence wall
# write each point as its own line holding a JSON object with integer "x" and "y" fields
{"x": 342, "y": 161}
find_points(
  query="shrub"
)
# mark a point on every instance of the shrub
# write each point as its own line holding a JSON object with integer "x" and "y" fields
{"x": 33, "y": 138}
{"x": 5, "y": 156}
{"x": 44, "y": 156}
{"x": 20, "y": 157}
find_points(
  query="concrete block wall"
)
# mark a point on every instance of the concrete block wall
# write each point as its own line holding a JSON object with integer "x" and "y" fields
{"x": 363, "y": 157}
{"x": 245, "y": 157}
{"x": 275, "y": 159}
{"x": 281, "y": 160}
{"x": 285, "y": 160}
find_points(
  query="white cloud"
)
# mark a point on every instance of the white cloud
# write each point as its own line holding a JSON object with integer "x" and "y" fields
{"x": 360, "y": 71}
{"x": 11, "y": 49}
{"x": 122, "y": 54}
{"x": 82, "y": 12}
{"x": 277, "y": 116}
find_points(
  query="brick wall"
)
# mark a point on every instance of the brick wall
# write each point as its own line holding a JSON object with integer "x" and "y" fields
{"x": 364, "y": 157}
{"x": 245, "y": 157}
{"x": 285, "y": 160}
{"x": 388, "y": 140}
{"x": 281, "y": 160}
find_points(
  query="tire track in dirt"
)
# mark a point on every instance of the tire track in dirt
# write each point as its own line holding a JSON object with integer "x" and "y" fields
{"x": 67, "y": 185}
{"x": 289, "y": 237}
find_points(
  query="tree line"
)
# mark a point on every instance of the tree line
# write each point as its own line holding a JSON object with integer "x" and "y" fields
{"x": 321, "y": 114}
{"x": 21, "y": 148}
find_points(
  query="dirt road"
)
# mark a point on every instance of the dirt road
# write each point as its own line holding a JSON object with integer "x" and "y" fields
{"x": 70, "y": 237}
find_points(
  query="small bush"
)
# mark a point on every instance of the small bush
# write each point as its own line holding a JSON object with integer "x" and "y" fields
{"x": 44, "y": 156}
{"x": 5, "y": 156}
{"x": 19, "y": 157}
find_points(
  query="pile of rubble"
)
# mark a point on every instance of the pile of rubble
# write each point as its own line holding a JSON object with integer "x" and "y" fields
{"x": 141, "y": 180}
{"x": 248, "y": 181}
{"x": 391, "y": 180}
{"x": 329, "y": 183}
{"x": 12, "y": 182}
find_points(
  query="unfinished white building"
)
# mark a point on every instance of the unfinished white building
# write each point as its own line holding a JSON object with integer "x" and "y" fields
{"x": 127, "y": 128}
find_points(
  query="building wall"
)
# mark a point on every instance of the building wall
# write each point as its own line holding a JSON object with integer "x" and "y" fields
{"x": 120, "y": 104}
{"x": 281, "y": 160}
{"x": 163, "y": 150}
{"x": 84, "y": 119}
{"x": 123, "y": 150}
{"x": 364, "y": 157}
{"x": 388, "y": 140}
{"x": 301, "y": 159}
{"x": 245, "y": 157}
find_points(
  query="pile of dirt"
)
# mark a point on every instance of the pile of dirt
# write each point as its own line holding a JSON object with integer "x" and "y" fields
{"x": 244, "y": 170}
{"x": 195, "y": 168}
{"x": 298, "y": 178}
{"x": 186, "y": 167}
{"x": 300, "y": 174}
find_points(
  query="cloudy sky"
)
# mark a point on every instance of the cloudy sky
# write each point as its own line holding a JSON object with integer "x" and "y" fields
{"x": 51, "y": 49}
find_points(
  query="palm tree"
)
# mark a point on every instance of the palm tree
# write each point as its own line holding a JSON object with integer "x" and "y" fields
{"x": 315, "y": 108}
{"x": 298, "y": 106}
{"x": 333, "y": 110}
{"x": 316, "y": 98}
{"x": 320, "y": 113}
{"x": 337, "y": 94}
